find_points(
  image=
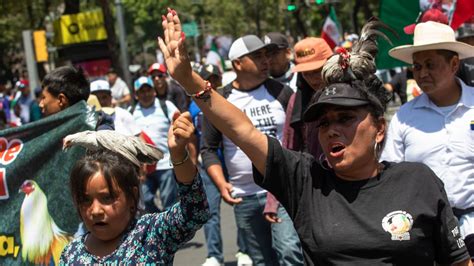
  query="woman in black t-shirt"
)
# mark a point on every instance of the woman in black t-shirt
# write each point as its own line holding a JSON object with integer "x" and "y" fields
{"x": 347, "y": 208}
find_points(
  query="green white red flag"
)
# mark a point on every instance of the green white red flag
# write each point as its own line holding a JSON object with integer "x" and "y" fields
{"x": 331, "y": 33}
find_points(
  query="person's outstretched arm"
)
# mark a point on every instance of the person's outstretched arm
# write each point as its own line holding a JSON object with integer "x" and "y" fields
{"x": 232, "y": 122}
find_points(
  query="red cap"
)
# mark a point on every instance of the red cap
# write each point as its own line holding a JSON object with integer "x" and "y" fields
{"x": 432, "y": 14}
{"x": 22, "y": 83}
{"x": 158, "y": 67}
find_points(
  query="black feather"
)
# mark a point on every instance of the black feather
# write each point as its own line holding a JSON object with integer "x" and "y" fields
{"x": 368, "y": 37}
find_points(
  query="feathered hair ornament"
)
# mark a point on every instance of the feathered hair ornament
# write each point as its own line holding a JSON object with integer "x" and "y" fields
{"x": 131, "y": 148}
{"x": 359, "y": 63}
{"x": 361, "y": 60}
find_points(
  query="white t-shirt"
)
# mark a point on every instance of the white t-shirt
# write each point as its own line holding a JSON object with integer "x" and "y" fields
{"x": 119, "y": 89}
{"x": 268, "y": 116}
{"x": 124, "y": 123}
{"x": 154, "y": 123}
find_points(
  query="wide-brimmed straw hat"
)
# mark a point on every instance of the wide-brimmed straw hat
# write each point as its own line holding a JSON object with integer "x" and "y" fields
{"x": 432, "y": 36}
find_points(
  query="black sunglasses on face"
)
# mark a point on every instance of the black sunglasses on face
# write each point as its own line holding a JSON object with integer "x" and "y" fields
{"x": 161, "y": 75}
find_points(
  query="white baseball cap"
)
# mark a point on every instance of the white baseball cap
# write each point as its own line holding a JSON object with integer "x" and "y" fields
{"x": 246, "y": 45}
{"x": 100, "y": 85}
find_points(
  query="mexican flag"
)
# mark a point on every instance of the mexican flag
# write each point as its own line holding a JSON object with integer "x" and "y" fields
{"x": 396, "y": 14}
{"x": 331, "y": 33}
{"x": 222, "y": 61}
{"x": 464, "y": 10}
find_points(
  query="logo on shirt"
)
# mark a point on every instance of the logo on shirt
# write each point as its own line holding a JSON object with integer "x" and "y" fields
{"x": 398, "y": 224}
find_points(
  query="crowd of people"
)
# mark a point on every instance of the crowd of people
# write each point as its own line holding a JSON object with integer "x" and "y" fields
{"x": 297, "y": 143}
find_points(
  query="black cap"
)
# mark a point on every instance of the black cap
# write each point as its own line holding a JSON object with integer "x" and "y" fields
{"x": 276, "y": 38}
{"x": 342, "y": 94}
{"x": 111, "y": 71}
{"x": 208, "y": 70}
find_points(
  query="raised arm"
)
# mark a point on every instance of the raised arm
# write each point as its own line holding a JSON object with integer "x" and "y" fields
{"x": 232, "y": 122}
{"x": 180, "y": 134}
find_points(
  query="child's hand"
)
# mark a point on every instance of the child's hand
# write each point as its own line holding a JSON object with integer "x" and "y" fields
{"x": 180, "y": 133}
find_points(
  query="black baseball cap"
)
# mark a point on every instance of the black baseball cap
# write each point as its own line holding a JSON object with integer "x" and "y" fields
{"x": 342, "y": 94}
{"x": 208, "y": 70}
{"x": 112, "y": 71}
{"x": 276, "y": 38}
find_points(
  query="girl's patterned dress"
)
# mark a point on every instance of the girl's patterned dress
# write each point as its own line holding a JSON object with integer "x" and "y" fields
{"x": 154, "y": 238}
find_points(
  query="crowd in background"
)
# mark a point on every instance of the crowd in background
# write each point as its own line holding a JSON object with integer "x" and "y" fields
{"x": 274, "y": 83}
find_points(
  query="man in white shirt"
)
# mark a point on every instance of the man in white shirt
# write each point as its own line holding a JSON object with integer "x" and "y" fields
{"x": 123, "y": 120}
{"x": 154, "y": 116}
{"x": 264, "y": 100}
{"x": 120, "y": 91}
{"x": 167, "y": 88}
{"x": 437, "y": 128}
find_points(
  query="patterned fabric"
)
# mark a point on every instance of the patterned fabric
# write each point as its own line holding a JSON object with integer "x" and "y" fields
{"x": 154, "y": 238}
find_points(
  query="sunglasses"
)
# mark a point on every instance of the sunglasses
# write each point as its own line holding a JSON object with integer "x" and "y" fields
{"x": 160, "y": 75}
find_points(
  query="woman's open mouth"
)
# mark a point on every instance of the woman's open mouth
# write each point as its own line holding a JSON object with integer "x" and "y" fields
{"x": 337, "y": 150}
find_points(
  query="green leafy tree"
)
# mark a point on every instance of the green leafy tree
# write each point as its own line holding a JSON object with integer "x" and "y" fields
{"x": 213, "y": 17}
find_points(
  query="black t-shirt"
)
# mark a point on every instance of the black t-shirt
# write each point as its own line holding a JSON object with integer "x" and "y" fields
{"x": 399, "y": 83}
{"x": 401, "y": 216}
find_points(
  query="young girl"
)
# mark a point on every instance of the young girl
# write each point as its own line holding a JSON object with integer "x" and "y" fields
{"x": 104, "y": 187}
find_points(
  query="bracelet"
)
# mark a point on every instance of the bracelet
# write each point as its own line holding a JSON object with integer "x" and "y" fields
{"x": 186, "y": 157}
{"x": 202, "y": 94}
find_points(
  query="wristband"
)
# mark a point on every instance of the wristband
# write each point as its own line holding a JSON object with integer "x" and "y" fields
{"x": 202, "y": 94}
{"x": 186, "y": 157}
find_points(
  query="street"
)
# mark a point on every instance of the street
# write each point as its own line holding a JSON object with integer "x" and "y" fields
{"x": 194, "y": 252}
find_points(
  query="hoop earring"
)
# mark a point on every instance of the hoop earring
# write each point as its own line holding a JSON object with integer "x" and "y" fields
{"x": 323, "y": 162}
{"x": 377, "y": 151}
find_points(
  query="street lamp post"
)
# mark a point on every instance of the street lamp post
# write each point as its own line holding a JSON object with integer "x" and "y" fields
{"x": 123, "y": 42}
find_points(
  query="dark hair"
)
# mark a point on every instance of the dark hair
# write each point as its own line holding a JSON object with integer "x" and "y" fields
{"x": 111, "y": 71}
{"x": 115, "y": 169}
{"x": 447, "y": 54}
{"x": 68, "y": 81}
{"x": 376, "y": 93}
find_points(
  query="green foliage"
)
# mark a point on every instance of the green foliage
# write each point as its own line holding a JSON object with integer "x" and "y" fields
{"x": 213, "y": 17}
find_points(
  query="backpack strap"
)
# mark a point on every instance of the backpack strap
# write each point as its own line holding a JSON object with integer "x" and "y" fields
{"x": 164, "y": 108}
{"x": 132, "y": 109}
{"x": 279, "y": 91}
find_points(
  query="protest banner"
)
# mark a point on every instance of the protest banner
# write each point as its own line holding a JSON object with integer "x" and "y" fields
{"x": 38, "y": 216}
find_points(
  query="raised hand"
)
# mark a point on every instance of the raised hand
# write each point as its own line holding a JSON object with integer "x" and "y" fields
{"x": 181, "y": 132}
{"x": 173, "y": 48}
